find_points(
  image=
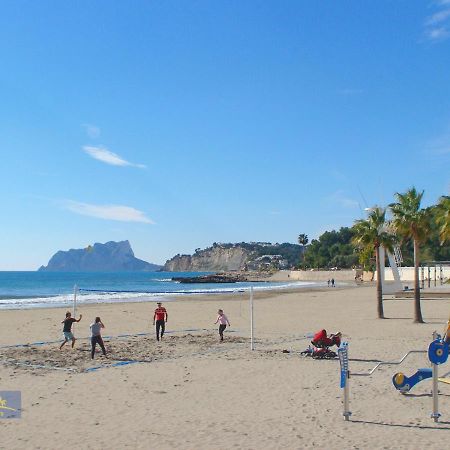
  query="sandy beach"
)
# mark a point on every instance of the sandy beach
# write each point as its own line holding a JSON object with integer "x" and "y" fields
{"x": 191, "y": 391}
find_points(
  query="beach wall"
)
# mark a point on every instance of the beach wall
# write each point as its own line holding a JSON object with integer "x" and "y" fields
{"x": 407, "y": 273}
{"x": 314, "y": 275}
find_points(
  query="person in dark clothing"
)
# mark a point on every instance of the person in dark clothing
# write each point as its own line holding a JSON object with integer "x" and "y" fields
{"x": 67, "y": 329}
{"x": 96, "y": 337}
{"x": 160, "y": 317}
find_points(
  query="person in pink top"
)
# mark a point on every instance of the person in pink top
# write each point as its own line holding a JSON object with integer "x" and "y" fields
{"x": 222, "y": 320}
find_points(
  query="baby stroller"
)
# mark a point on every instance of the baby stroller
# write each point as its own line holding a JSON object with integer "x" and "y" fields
{"x": 320, "y": 345}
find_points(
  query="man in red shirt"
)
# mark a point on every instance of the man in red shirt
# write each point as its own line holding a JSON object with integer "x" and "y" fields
{"x": 160, "y": 317}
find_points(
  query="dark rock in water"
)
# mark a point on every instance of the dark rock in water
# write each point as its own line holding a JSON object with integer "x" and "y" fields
{"x": 215, "y": 278}
{"x": 109, "y": 257}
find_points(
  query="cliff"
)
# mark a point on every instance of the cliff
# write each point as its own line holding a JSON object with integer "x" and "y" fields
{"x": 231, "y": 257}
{"x": 109, "y": 257}
{"x": 210, "y": 259}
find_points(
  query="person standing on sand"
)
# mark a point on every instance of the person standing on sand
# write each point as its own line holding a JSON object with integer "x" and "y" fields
{"x": 160, "y": 317}
{"x": 96, "y": 336}
{"x": 222, "y": 320}
{"x": 332, "y": 283}
{"x": 67, "y": 329}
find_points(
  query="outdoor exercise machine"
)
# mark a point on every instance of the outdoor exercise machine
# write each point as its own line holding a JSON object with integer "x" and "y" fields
{"x": 438, "y": 352}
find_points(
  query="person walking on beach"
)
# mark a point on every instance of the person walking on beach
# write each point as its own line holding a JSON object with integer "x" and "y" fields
{"x": 332, "y": 283}
{"x": 67, "y": 329}
{"x": 96, "y": 336}
{"x": 160, "y": 317}
{"x": 222, "y": 320}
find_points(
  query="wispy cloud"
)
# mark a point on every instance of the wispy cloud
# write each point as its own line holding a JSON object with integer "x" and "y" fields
{"x": 341, "y": 199}
{"x": 91, "y": 130}
{"x": 108, "y": 212}
{"x": 437, "y": 26}
{"x": 108, "y": 157}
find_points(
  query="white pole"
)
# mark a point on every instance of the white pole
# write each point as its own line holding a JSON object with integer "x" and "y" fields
{"x": 75, "y": 290}
{"x": 251, "y": 319}
{"x": 347, "y": 412}
{"x": 434, "y": 370}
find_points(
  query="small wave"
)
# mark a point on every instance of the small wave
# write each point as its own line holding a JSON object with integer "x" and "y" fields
{"x": 97, "y": 296}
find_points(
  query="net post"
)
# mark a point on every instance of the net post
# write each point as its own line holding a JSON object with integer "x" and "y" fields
{"x": 252, "y": 347}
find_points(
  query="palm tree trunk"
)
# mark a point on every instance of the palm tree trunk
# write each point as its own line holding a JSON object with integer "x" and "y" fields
{"x": 379, "y": 284}
{"x": 417, "y": 310}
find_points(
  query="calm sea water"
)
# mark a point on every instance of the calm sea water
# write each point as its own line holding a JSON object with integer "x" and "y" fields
{"x": 56, "y": 289}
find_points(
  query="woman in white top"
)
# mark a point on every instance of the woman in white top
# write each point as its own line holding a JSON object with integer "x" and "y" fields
{"x": 96, "y": 337}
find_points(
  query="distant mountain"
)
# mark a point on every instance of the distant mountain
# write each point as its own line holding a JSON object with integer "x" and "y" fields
{"x": 109, "y": 257}
{"x": 240, "y": 256}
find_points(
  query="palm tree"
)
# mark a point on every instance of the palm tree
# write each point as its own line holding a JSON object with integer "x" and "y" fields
{"x": 410, "y": 221}
{"x": 373, "y": 233}
{"x": 303, "y": 240}
{"x": 443, "y": 218}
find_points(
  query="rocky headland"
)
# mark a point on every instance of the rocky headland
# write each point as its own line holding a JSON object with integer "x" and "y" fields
{"x": 109, "y": 257}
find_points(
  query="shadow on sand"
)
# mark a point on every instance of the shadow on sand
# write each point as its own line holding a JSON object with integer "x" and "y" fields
{"x": 399, "y": 425}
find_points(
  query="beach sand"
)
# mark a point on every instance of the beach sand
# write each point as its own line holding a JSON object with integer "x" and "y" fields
{"x": 192, "y": 392}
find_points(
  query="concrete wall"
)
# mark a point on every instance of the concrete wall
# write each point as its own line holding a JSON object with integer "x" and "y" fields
{"x": 407, "y": 273}
{"x": 316, "y": 275}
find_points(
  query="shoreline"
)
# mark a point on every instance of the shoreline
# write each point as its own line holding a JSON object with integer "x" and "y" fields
{"x": 258, "y": 292}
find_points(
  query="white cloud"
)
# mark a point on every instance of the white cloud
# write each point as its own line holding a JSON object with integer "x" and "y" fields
{"x": 438, "y": 17}
{"x": 438, "y": 34}
{"x": 342, "y": 200}
{"x": 437, "y": 26}
{"x": 108, "y": 212}
{"x": 104, "y": 155}
{"x": 91, "y": 130}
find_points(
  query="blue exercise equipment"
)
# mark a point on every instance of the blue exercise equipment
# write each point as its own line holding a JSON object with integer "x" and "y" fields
{"x": 438, "y": 352}
{"x": 404, "y": 384}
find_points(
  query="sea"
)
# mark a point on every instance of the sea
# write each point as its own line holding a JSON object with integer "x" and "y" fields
{"x": 25, "y": 290}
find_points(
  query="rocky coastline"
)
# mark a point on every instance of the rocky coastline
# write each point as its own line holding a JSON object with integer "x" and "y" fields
{"x": 226, "y": 277}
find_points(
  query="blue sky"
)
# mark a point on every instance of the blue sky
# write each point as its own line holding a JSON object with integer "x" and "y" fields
{"x": 176, "y": 124}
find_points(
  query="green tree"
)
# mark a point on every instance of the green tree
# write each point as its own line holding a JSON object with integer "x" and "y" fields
{"x": 303, "y": 240}
{"x": 410, "y": 221}
{"x": 373, "y": 233}
{"x": 443, "y": 218}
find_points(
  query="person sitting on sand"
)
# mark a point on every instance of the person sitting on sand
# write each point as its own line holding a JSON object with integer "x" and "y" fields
{"x": 96, "y": 337}
{"x": 160, "y": 316}
{"x": 321, "y": 339}
{"x": 67, "y": 329}
{"x": 222, "y": 319}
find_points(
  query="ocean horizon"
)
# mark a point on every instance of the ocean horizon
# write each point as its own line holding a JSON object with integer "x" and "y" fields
{"x": 34, "y": 289}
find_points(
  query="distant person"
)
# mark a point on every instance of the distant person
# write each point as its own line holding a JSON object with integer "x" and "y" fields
{"x": 67, "y": 329}
{"x": 96, "y": 336}
{"x": 332, "y": 283}
{"x": 222, "y": 320}
{"x": 328, "y": 282}
{"x": 160, "y": 317}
